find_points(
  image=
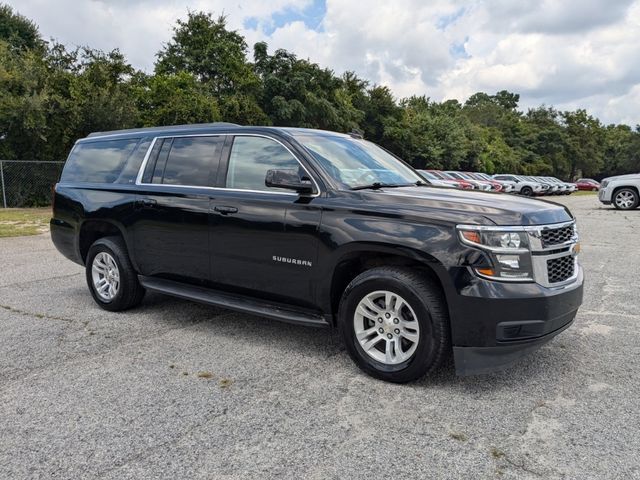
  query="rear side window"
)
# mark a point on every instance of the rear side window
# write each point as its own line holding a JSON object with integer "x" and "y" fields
{"x": 250, "y": 159}
{"x": 98, "y": 162}
{"x": 187, "y": 161}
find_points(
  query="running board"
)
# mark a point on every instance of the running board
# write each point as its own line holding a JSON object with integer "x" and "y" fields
{"x": 239, "y": 303}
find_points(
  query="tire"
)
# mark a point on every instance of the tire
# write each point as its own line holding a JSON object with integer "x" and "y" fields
{"x": 423, "y": 317}
{"x": 526, "y": 191}
{"x": 110, "y": 258}
{"x": 594, "y": 189}
{"x": 625, "y": 199}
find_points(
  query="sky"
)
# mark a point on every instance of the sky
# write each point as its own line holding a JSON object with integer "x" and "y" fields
{"x": 566, "y": 53}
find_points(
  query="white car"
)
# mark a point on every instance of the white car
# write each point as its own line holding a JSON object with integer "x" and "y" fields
{"x": 568, "y": 189}
{"x": 433, "y": 180}
{"x": 523, "y": 186}
{"x": 622, "y": 191}
{"x": 507, "y": 187}
{"x": 479, "y": 184}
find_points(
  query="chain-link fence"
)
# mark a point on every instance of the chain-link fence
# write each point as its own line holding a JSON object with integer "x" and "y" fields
{"x": 25, "y": 183}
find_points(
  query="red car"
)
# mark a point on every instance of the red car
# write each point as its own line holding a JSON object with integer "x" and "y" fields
{"x": 495, "y": 186}
{"x": 588, "y": 184}
{"x": 461, "y": 184}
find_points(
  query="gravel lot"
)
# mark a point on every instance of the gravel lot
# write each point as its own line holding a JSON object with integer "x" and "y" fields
{"x": 179, "y": 390}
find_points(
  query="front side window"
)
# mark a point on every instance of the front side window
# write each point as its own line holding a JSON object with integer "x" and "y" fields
{"x": 354, "y": 163}
{"x": 252, "y": 157}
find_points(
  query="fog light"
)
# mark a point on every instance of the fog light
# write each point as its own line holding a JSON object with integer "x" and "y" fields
{"x": 510, "y": 261}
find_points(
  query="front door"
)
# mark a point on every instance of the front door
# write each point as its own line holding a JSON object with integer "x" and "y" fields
{"x": 264, "y": 240}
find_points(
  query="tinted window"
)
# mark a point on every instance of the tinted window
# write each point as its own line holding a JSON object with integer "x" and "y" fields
{"x": 98, "y": 162}
{"x": 132, "y": 166}
{"x": 189, "y": 161}
{"x": 250, "y": 159}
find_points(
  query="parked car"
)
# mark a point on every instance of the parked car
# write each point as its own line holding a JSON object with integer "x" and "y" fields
{"x": 588, "y": 184}
{"x": 522, "y": 185}
{"x": 567, "y": 188}
{"x": 621, "y": 191}
{"x": 478, "y": 184}
{"x": 433, "y": 180}
{"x": 461, "y": 184}
{"x": 323, "y": 229}
{"x": 547, "y": 187}
{"x": 496, "y": 186}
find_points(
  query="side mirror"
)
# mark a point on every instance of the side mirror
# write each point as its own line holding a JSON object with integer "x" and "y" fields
{"x": 289, "y": 179}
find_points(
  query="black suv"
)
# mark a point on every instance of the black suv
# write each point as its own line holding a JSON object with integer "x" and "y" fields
{"x": 323, "y": 229}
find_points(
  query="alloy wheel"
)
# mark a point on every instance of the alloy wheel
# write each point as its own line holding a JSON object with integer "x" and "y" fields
{"x": 625, "y": 199}
{"x": 386, "y": 327}
{"x": 105, "y": 276}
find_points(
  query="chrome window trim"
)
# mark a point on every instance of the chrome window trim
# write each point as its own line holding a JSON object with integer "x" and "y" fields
{"x": 153, "y": 142}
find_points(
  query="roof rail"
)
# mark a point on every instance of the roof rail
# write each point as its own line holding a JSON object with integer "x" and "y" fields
{"x": 168, "y": 127}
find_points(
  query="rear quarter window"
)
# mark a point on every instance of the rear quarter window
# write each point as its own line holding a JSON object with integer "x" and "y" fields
{"x": 98, "y": 162}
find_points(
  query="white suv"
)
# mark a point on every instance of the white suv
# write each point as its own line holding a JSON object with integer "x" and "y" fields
{"x": 623, "y": 191}
{"x": 522, "y": 185}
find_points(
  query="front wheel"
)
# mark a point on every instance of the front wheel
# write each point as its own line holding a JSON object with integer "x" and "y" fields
{"x": 626, "y": 199}
{"x": 526, "y": 191}
{"x": 110, "y": 276}
{"x": 394, "y": 323}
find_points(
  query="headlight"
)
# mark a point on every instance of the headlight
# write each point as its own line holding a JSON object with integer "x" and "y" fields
{"x": 508, "y": 250}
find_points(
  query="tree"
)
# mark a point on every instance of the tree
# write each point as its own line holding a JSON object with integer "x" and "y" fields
{"x": 298, "y": 92}
{"x": 584, "y": 143}
{"x": 216, "y": 56}
{"x": 173, "y": 99}
{"x": 19, "y": 32}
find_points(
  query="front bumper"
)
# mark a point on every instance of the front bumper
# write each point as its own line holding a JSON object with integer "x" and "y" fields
{"x": 494, "y": 324}
{"x": 604, "y": 196}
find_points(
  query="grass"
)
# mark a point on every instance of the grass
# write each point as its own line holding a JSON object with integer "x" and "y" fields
{"x": 17, "y": 222}
{"x": 584, "y": 192}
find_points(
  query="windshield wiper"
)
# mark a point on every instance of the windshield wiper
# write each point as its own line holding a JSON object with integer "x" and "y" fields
{"x": 379, "y": 185}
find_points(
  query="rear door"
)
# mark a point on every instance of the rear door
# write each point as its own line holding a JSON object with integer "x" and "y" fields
{"x": 264, "y": 240}
{"x": 171, "y": 220}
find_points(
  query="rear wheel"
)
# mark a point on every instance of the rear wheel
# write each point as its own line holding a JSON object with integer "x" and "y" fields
{"x": 625, "y": 199}
{"x": 110, "y": 276}
{"x": 526, "y": 191}
{"x": 594, "y": 189}
{"x": 394, "y": 323}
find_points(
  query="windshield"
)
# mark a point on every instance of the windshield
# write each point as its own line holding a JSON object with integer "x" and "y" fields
{"x": 428, "y": 175}
{"x": 438, "y": 175}
{"x": 456, "y": 175}
{"x": 356, "y": 163}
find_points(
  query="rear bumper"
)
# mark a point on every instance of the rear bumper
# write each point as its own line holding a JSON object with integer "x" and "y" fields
{"x": 64, "y": 237}
{"x": 494, "y": 324}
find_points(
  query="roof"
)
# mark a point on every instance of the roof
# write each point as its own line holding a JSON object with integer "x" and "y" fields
{"x": 204, "y": 128}
{"x": 162, "y": 129}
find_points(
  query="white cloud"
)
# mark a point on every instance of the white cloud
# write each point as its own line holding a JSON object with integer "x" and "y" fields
{"x": 570, "y": 53}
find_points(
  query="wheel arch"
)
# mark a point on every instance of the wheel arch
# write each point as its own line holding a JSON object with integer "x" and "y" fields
{"x": 621, "y": 187}
{"x": 91, "y": 230}
{"x": 360, "y": 257}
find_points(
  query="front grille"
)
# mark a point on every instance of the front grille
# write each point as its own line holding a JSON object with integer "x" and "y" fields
{"x": 556, "y": 236}
{"x": 560, "y": 269}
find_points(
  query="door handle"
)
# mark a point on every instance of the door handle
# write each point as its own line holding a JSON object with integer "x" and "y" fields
{"x": 224, "y": 210}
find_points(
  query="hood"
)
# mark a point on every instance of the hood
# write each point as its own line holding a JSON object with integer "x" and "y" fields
{"x": 630, "y": 176}
{"x": 460, "y": 206}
